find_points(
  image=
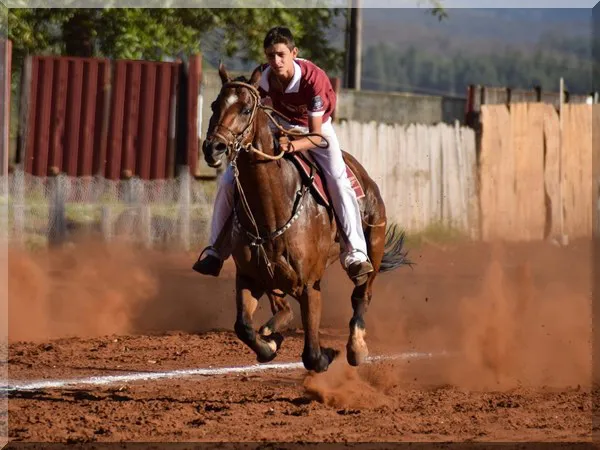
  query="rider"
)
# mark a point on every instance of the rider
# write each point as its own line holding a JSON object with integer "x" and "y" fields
{"x": 301, "y": 91}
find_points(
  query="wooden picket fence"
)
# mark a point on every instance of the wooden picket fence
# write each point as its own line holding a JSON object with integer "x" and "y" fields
{"x": 536, "y": 181}
{"x": 426, "y": 173}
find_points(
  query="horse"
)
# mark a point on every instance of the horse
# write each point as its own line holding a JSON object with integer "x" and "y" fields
{"x": 284, "y": 235}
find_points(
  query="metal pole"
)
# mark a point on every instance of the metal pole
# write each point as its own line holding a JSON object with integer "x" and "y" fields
{"x": 355, "y": 44}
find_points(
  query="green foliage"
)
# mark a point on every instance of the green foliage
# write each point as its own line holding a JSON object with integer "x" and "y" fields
{"x": 437, "y": 10}
{"x": 156, "y": 33}
{"x": 159, "y": 32}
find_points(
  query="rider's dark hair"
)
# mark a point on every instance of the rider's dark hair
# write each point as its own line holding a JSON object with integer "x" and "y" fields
{"x": 279, "y": 35}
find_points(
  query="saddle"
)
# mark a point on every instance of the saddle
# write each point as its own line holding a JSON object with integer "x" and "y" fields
{"x": 306, "y": 165}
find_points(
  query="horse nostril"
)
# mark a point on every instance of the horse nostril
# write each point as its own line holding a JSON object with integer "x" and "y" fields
{"x": 220, "y": 147}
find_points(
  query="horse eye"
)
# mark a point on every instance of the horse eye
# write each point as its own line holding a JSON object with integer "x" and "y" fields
{"x": 246, "y": 111}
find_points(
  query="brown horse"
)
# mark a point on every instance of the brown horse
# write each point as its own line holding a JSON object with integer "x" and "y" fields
{"x": 283, "y": 237}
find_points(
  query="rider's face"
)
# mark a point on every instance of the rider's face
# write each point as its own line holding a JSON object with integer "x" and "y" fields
{"x": 281, "y": 59}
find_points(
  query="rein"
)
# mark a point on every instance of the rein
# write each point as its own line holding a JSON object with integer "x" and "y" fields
{"x": 235, "y": 144}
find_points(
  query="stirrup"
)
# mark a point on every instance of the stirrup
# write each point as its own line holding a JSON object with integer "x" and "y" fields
{"x": 209, "y": 247}
{"x": 210, "y": 265}
{"x": 359, "y": 272}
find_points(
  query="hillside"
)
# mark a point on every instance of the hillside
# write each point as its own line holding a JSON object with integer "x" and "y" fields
{"x": 408, "y": 49}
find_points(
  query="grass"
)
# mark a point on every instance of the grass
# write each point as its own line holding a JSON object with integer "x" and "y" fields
{"x": 166, "y": 216}
{"x": 82, "y": 216}
{"x": 436, "y": 234}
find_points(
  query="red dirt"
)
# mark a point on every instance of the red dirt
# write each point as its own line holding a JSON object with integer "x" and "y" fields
{"x": 516, "y": 319}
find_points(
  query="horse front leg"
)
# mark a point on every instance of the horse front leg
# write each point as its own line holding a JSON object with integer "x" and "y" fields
{"x": 247, "y": 295}
{"x": 314, "y": 356}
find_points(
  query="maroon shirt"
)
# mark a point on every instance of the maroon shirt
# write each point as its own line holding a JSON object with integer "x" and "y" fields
{"x": 309, "y": 93}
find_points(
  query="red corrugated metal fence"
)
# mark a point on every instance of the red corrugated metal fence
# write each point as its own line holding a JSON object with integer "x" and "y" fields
{"x": 94, "y": 116}
{"x": 5, "y": 64}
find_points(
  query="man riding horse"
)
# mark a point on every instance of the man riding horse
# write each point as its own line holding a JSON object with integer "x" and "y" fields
{"x": 302, "y": 92}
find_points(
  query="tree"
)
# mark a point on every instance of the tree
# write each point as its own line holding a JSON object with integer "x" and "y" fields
{"x": 446, "y": 71}
{"x": 437, "y": 10}
{"x": 153, "y": 33}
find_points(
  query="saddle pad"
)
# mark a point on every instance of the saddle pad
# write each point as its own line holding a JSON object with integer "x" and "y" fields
{"x": 318, "y": 185}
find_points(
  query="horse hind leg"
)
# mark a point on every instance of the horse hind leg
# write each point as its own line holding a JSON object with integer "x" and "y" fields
{"x": 282, "y": 316}
{"x": 247, "y": 296}
{"x": 356, "y": 348}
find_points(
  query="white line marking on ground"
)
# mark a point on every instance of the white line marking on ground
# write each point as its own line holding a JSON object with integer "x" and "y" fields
{"x": 182, "y": 373}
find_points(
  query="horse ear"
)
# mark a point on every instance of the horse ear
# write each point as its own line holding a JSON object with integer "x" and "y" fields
{"x": 255, "y": 78}
{"x": 223, "y": 73}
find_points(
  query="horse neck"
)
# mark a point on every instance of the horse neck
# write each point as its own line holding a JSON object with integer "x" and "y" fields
{"x": 269, "y": 186}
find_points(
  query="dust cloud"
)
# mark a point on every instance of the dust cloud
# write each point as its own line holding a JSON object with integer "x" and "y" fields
{"x": 341, "y": 386}
{"x": 507, "y": 317}
{"x": 88, "y": 289}
{"x": 513, "y": 334}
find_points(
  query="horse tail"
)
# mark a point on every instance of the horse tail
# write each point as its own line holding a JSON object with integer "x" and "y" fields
{"x": 394, "y": 255}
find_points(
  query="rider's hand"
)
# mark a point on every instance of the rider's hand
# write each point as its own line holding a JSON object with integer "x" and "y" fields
{"x": 286, "y": 144}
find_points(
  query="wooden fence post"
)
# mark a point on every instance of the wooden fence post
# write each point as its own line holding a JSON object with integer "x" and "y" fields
{"x": 145, "y": 217}
{"x": 57, "y": 221}
{"x": 139, "y": 210}
{"x": 18, "y": 206}
{"x": 106, "y": 221}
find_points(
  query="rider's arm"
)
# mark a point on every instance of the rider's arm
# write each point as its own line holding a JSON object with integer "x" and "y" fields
{"x": 314, "y": 126}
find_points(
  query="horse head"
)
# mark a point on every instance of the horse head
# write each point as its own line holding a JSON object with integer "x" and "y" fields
{"x": 231, "y": 125}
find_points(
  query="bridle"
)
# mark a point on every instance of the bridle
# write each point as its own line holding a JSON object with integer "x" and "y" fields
{"x": 235, "y": 143}
{"x": 233, "y": 140}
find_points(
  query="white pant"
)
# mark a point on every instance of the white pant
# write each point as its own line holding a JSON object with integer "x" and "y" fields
{"x": 340, "y": 190}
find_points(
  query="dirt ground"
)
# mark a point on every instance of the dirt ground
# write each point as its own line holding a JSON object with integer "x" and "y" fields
{"x": 514, "y": 321}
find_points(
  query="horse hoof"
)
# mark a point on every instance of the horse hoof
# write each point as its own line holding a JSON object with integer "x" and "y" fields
{"x": 330, "y": 354}
{"x": 271, "y": 345}
{"x": 319, "y": 361}
{"x": 318, "y": 366}
{"x": 265, "y": 358}
{"x": 274, "y": 339}
{"x": 355, "y": 358}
